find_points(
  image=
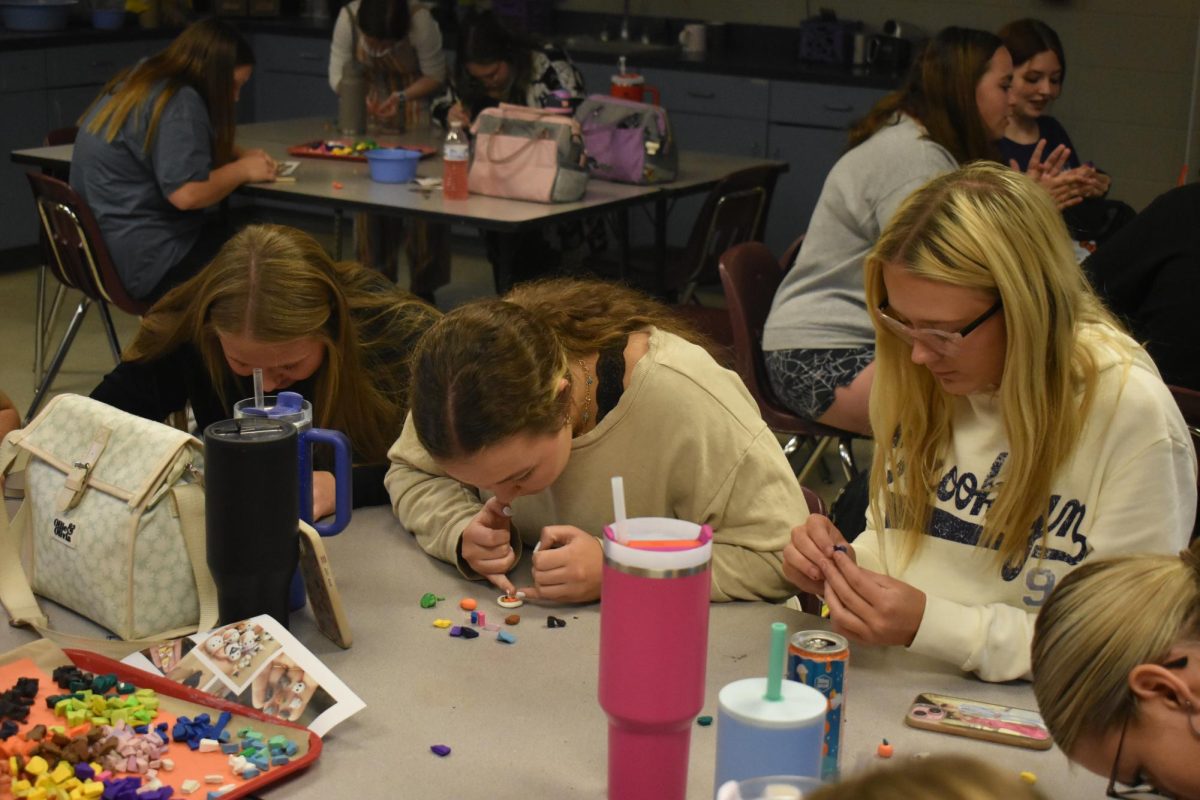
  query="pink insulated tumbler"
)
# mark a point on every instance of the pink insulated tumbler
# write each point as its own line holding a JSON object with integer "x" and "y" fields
{"x": 653, "y": 652}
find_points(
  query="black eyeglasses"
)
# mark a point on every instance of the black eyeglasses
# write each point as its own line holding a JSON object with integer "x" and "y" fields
{"x": 1143, "y": 789}
{"x": 944, "y": 343}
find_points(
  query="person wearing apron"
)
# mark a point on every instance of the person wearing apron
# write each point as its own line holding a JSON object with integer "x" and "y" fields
{"x": 400, "y": 50}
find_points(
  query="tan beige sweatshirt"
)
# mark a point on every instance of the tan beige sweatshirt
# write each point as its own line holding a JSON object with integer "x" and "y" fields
{"x": 688, "y": 440}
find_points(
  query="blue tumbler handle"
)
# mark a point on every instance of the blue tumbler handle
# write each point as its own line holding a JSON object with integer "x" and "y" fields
{"x": 342, "y": 473}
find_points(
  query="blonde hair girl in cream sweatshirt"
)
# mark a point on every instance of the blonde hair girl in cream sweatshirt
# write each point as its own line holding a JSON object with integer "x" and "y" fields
{"x": 1020, "y": 432}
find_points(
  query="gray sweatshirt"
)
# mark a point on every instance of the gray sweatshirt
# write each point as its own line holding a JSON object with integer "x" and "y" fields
{"x": 821, "y": 303}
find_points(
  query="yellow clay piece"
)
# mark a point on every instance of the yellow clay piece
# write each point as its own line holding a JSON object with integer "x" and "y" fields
{"x": 62, "y": 772}
{"x": 36, "y": 766}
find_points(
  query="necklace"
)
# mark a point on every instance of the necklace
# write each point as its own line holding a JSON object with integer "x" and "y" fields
{"x": 585, "y": 409}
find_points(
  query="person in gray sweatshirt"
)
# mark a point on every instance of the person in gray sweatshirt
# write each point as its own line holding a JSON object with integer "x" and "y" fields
{"x": 818, "y": 341}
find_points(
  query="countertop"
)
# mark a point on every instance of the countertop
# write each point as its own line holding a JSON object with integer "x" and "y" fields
{"x": 748, "y": 51}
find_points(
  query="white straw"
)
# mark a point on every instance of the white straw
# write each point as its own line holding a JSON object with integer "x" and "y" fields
{"x": 618, "y": 493}
{"x": 258, "y": 390}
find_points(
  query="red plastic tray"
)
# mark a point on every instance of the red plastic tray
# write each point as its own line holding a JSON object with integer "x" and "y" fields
{"x": 313, "y": 149}
{"x": 93, "y": 662}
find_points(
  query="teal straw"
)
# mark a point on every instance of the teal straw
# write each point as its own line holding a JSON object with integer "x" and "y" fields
{"x": 775, "y": 665}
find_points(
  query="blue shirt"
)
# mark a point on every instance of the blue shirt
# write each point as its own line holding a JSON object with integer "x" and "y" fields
{"x": 127, "y": 185}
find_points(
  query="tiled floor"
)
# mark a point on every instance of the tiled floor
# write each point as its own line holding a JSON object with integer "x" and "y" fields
{"x": 89, "y": 358}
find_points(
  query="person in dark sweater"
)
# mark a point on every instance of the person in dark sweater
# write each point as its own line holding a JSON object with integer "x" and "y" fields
{"x": 335, "y": 332}
{"x": 1039, "y": 67}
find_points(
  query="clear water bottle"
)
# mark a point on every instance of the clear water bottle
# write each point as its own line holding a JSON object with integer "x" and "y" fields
{"x": 456, "y": 158}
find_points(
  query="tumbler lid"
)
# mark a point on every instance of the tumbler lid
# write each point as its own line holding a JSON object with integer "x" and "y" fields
{"x": 249, "y": 430}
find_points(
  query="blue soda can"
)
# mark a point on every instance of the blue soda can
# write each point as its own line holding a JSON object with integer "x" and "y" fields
{"x": 819, "y": 659}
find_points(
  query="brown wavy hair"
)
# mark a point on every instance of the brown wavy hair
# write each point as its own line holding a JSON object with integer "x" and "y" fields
{"x": 1025, "y": 38}
{"x": 203, "y": 57}
{"x": 939, "y": 92}
{"x": 277, "y": 284}
{"x": 491, "y": 369}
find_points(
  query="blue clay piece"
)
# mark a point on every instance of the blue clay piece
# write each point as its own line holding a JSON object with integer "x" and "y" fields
{"x": 440, "y": 750}
{"x": 506, "y": 637}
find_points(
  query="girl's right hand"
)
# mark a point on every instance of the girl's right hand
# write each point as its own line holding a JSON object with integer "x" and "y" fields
{"x": 487, "y": 543}
{"x": 257, "y": 167}
{"x": 812, "y": 543}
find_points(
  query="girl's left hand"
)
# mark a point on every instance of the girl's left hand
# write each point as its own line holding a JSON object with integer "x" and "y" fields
{"x": 324, "y": 494}
{"x": 386, "y": 106}
{"x": 870, "y": 607}
{"x": 567, "y": 567}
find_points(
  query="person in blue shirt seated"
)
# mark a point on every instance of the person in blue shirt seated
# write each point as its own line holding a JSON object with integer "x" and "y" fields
{"x": 156, "y": 148}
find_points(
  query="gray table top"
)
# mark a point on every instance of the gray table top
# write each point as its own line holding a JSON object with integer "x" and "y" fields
{"x": 316, "y": 179}
{"x": 523, "y": 719}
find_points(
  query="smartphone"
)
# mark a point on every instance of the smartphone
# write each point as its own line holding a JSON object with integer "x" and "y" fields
{"x": 976, "y": 719}
{"x": 323, "y": 593}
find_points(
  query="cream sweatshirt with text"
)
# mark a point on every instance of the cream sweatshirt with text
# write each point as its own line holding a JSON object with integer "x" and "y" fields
{"x": 689, "y": 442}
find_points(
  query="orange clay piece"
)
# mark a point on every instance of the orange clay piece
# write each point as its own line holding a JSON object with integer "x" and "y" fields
{"x": 338, "y": 185}
{"x": 467, "y": 604}
{"x": 885, "y": 750}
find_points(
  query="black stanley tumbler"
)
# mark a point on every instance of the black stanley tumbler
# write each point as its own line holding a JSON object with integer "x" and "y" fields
{"x": 250, "y": 515}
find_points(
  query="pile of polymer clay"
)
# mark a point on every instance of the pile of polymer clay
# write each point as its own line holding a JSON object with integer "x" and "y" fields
{"x": 109, "y": 740}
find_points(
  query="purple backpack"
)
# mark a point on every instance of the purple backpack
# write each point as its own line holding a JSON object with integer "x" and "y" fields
{"x": 627, "y": 141}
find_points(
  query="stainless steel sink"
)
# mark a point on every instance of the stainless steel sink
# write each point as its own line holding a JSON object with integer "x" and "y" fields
{"x": 587, "y": 43}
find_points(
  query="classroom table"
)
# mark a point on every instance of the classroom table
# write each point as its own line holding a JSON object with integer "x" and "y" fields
{"x": 523, "y": 720}
{"x": 344, "y": 186}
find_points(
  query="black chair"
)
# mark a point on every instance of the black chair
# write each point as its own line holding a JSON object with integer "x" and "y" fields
{"x": 76, "y": 254}
{"x": 750, "y": 275}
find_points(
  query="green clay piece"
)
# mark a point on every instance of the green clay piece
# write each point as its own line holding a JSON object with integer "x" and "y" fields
{"x": 429, "y": 600}
{"x": 704, "y": 721}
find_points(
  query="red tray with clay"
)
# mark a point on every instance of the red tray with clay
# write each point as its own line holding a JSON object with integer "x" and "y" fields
{"x": 319, "y": 149}
{"x": 176, "y": 700}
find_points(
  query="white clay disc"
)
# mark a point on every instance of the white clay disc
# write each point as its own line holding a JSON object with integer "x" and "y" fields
{"x": 510, "y": 602}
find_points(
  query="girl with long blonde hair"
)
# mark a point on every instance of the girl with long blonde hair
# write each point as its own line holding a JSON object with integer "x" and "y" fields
{"x": 156, "y": 148}
{"x": 1020, "y": 431}
{"x": 335, "y": 332}
{"x": 1116, "y": 671}
{"x": 524, "y": 408}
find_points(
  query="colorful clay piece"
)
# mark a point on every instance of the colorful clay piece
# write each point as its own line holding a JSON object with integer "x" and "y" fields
{"x": 442, "y": 623}
{"x": 512, "y": 619}
{"x": 506, "y": 637}
{"x": 510, "y": 601}
{"x": 456, "y": 630}
{"x": 1029, "y": 777}
{"x": 468, "y": 604}
{"x": 555, "y": 622}
{"x": 440, "y": 750}
{"x": 885, "y": 749}
{"x": 429, "y": 600}
{"x": 469, "y": 633}
{"x": 704, "y": 721}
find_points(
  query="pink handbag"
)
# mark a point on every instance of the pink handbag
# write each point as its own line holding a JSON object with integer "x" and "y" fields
{"x": 528, "y": 154}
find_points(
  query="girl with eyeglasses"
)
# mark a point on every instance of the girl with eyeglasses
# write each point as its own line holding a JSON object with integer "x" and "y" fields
{"x": 1116, "y": 665}
{"x": 1019, "y": 432}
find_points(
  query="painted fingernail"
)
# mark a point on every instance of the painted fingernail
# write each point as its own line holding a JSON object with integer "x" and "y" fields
{"x": 839, "y": 548}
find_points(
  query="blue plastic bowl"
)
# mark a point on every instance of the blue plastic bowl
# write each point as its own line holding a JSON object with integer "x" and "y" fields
{"x": 49, "y": 15}
{"x": 390, "y": 165}
{"x": 108, "y": 19}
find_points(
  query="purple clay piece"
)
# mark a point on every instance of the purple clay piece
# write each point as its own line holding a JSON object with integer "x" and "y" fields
{"x": 469, "y": 633}
{"x": 440, "y": 750}
{"x": 456, "y": 630}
